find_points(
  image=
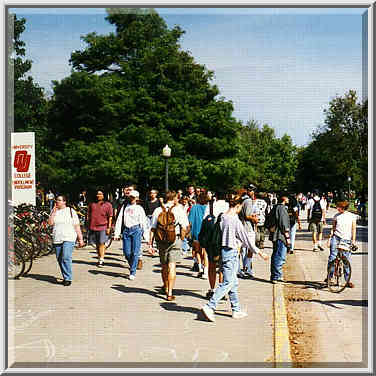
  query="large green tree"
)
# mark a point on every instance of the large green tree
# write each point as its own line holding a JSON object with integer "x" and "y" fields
{"x": 29, "y": 111}
{"x": 339, "y": 148}
{"x": 132, "y": 92}
{"x": 272, "y": 161}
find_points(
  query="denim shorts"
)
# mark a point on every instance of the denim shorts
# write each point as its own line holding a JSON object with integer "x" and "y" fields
{"x": 98, "y": 237}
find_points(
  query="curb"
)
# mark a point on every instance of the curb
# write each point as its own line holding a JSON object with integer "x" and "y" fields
{"x": 282, "y": 352}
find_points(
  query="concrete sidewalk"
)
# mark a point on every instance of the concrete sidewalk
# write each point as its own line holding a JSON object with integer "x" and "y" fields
{"x": 105, "y": 320}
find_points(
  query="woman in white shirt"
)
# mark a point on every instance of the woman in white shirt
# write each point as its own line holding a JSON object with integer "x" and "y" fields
{"x": 66, "y": 229}
{"x": 344, "y": 229}
{"x": 131, "y": 222}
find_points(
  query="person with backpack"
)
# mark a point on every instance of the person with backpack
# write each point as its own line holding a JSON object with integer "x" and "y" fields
{"x": 233, "y": 232}
{"x": 168, "y": 228}
{"x": 316, "y": 208}
{"x": 66, "y": 229}
{"x": 278, "y": 224}
{"x": 195, "y": 218}
{"x": 208, "y": 238}
{"x": 131, "y": 223}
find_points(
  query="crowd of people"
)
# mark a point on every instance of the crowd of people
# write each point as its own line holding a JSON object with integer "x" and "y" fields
{"x": 180, "y": 222}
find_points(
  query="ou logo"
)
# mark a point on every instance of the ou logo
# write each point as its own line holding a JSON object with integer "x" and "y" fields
{"x": 22, "y": 161}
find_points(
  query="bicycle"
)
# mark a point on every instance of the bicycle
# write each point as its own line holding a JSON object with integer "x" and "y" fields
{"x": 337, "y": 279}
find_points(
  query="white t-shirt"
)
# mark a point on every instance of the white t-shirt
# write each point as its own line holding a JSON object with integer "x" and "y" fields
{"x": 133, "y": 215}
{"x": 181, "y": 218}
{"x": 63, "y": 230}
{"x": 344, "y": 223}
{"x": 220, "y": 206}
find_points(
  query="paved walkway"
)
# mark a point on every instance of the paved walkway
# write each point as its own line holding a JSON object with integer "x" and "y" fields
{"x": 341, "y": 318}
{"x": 105, "y": 320}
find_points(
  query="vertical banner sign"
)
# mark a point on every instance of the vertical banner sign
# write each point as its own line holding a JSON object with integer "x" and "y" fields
{"x": 23, "y": 167}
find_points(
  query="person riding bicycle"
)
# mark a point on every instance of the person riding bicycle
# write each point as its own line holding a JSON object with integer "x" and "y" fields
{"x": 343, "y": 231}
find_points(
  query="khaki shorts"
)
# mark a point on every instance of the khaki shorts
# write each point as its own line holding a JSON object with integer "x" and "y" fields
{"x": 316, "y": 227}
{"x": 170, "y": 252}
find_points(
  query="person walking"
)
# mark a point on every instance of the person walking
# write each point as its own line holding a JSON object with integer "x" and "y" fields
{"x": 280, "y": 239}
{"x": 169, "y": 251}
{"x": 66, "y": 229}
{"x": 249, "y": 215}
{"x": 343, "y": 230}
{"x": 100, "y": 221}
{"x": 131, "y": 223}
{"x": 195, "y": 218}
{"x": 293, "y": 210}
{"x": 215, "y": 208}
{"x": 316, "y": 212}
{"x": 232, "y": 232}
{"x": 50, "y": 198}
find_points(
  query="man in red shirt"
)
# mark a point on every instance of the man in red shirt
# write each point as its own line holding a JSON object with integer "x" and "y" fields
{"x": 100, "y": 221}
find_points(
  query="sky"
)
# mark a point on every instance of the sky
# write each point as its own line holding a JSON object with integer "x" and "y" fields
{"x": 279, "y": 66}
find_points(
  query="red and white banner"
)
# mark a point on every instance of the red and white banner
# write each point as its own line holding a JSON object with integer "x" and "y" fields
{"x": 23, "y": 168}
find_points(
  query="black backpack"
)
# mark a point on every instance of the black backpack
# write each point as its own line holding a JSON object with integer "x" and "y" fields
{"x": 210, "y": 236}
{"x": 316, "y": 212}
{"x": 271, "y": 220}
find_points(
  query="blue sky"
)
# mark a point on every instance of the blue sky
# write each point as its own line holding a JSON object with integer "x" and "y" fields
{"x": 278, "y": 66}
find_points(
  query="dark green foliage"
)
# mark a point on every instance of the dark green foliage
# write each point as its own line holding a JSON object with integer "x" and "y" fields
{"x": 339, "y": 148}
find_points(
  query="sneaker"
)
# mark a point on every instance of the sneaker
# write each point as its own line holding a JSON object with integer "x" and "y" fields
{"x": 208, "y": 313}
{"x": 100, "y": 264}
{"x": 247, "y": 275}
{"x": 239, "y": 314}
{"x": 315, "y": 249}
{"x": 321, "y": 248}
{"x": 200, "y": 274}
{"x": 209, "y": 294}
{"x": 195, "y": 267}
{"x": 132, "y": 277}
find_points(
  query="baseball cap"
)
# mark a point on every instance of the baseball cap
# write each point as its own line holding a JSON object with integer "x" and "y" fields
{"x": 134, "y": 194}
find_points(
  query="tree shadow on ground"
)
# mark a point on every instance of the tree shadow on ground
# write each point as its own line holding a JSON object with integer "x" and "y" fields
{"x": 44, "y": 278}
{"x": 135, "y": 290}
{"x": 110, "y": 274}
{"x": 332, "y": 303}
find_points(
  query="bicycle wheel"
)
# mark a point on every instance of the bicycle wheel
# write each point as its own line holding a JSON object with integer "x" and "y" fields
{"x": 16, "y": 264}
{"x": 26, "y": 250}
{"x": 337, "y": 281}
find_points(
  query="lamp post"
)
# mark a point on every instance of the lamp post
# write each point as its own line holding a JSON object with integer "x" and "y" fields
{"x": 349, "y": 180}
{"x": 166, "y": 153}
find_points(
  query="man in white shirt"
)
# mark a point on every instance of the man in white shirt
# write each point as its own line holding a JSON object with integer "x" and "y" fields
{"x": 170, "y": 253}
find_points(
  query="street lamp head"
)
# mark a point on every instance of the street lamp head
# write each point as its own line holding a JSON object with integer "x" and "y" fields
{"x": 166, "y": 152}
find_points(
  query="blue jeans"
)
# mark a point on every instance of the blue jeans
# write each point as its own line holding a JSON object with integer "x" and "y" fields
{"x": 333, "y": 253}
{"x": 230, "y": 282}
{"x": 246, "y": 262}
{"x": 132, "y": 246}
{"x": 277, "y": 260}
{"x": 64, "y": 258}
{"x": 293, "y": 234}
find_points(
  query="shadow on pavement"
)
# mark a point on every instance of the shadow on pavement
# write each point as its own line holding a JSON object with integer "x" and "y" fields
{"x": 332, "y": 303}
{"x": 181, "y": 292}
{"x": 41, "y": 277}
{"x": 133, "y": 290}
{"x": 318, "y": 285}
{"x": 110, "y": 274}
{"x": 172, "y": 306}
{"x": 95, "y": 263}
